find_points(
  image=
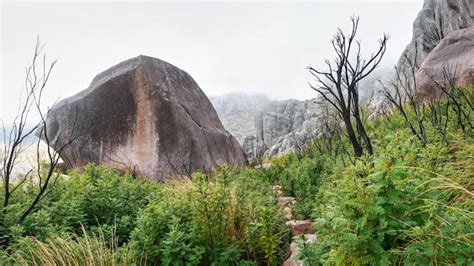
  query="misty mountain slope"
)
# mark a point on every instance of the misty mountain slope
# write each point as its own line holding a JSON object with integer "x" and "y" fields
{"x": 237, "y": 112}
{"x": 273, "y": 128}
{"x": 266, "y": 127}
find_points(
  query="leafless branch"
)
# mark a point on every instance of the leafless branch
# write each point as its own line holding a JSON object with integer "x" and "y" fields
{"x": 338, "y": 85}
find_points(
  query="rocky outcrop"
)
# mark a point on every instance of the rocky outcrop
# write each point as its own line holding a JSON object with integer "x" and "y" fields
{"x": 273, "y": 128}
{"x": 283, "y": 126}
{"x": 146, "y": 116}
{"x": 436, "y": 20}
{"x": 237, "y": 112}
{"x": 453, "y": 56}
{"x": 268, "y": 127}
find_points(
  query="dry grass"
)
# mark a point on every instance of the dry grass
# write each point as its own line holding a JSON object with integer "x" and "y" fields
{"x": 90, "y": 250}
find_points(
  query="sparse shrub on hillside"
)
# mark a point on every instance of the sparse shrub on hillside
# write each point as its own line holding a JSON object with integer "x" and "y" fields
{"x": 449, "y": 107}
{"x": 460, "y": 100}
{"x": 402, "y": 94}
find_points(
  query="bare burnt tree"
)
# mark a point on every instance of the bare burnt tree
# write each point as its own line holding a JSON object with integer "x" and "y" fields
{"x": 330, "y": 140}
{"x": 439, "y": 117}
{"x": 339, "y": 83}
{"x": 301, "y": 142}
{"x": 401, "y": 93}
{"x": 298, "y": 142}
{"x": 260, "y": 153}
{"x": 456, "y": 98}
{"x": 18, "y": 138}
{"x": 438, "y": 109}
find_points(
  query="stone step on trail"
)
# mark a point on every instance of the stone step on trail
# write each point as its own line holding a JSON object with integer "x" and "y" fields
{"x": 302, "y": 229}
{"x": 288, "y": 213}
{"x": 295, "y": 250}
{"x": 286, "y": 201}
{"x": 277, "y": 190}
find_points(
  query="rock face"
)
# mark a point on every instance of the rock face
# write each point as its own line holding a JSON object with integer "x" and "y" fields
{"x": 146, "y": 116}
{"x": 436, "y": 20}
{"x": 454, "y": 54}
{"x": 273, "y": 128}
{"x": 267, "y": 127}
{"x": 284, "y": 125}
{"x": 237, "y": 112}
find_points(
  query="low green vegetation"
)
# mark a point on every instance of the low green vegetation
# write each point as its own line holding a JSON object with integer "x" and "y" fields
{"x": 408, "y": 203}
{"x": 102, "y": 218}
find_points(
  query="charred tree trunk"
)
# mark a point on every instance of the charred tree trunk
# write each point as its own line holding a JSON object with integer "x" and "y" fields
{"x": 338, "y": 85}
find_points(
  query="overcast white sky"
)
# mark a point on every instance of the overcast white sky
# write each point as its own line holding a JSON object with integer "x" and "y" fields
{"x": 244, "y": 47}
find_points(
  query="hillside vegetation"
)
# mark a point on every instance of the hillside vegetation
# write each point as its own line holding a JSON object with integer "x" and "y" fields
{"x": 408, "y": 203}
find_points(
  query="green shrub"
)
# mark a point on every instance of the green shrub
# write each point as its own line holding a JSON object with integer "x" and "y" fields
{"x": 301, "y": 179}
{"x": 224, "y": 219}
{"x": 401, "y": 206}
{"x": 97, "y": 199}
{"x": 213, "y": 220}
{"x": 409, "y": 204}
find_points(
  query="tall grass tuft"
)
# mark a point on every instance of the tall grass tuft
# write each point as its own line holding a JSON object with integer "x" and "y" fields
{"x": 72, "y": 249}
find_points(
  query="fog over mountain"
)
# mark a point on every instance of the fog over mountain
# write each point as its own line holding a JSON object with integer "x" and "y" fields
{"x": 228, "y": 47}
{"x": 256, "y": 117}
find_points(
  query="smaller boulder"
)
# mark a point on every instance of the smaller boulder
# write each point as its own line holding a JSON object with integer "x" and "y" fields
{"x": 292, "y": 261}
{"x": 452, "y": 59}
{"x": 286, "y": 201}
{"x": 277, "y": 190}
{"x": 288, "y": 213}
{"x": 301, "y": 227}
{"x": 295, "y": 251}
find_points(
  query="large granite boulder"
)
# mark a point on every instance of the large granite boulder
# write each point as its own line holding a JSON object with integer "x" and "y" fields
{"x": 435, "y": 21}
{"x": 146, "y": 116}
{"x": 453, "y": 56}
